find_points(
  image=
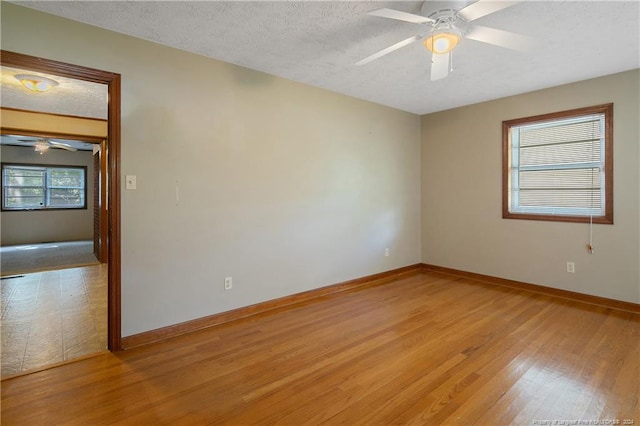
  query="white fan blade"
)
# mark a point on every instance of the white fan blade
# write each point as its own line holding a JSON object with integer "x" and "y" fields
{"x": 400, "y": 16}
{"x": 440, "y": 66}
{"x": 483, "y": 7}
{"x": 501, "y": 38}
{"x": 61, "y": 145}
{"x": 389, "y": 49}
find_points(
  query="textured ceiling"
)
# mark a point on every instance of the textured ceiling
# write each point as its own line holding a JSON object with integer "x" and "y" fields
{"x": 69, "y": 97}
{"x": 318, "y": 43}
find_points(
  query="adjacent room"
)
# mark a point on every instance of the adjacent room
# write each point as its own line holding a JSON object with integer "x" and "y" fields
{"x": 47, "y": 207}
{"x": 53, "y": 262}
{"x": 343, "y": 212}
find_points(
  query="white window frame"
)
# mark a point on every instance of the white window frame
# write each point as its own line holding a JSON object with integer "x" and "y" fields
{"x": 511, "y": 208}
{"x": 46, "y": 187}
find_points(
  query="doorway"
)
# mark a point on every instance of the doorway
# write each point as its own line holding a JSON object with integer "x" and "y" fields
{"x": 112, "y": 159}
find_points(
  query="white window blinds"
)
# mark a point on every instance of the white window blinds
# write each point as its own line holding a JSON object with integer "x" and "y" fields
{"x": 557, "y": 167}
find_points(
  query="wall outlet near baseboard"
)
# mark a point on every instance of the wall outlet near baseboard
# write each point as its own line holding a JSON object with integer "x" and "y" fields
{"x": 228, "y": 283}
{"x": 386, "y": 251}
{"x": 571, "y": 267}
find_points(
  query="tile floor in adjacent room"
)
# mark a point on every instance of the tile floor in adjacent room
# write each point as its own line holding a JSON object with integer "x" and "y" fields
{"x": 53, "y": 316}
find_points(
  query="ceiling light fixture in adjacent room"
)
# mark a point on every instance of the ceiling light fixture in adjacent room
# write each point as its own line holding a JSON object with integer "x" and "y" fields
{"x": 35, "y": 82}
{"x": 41, "y": 147}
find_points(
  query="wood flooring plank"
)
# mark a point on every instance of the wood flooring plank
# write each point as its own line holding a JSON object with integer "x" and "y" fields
{"x": 481, "y": 364}
{"x": 500, "y": 376}
{"x": 426, "y": 348}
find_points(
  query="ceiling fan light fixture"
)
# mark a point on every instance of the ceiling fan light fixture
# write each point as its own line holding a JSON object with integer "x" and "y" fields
{"x": 441, "y": 43}
{"x": 41, "y": 147}
{"x": 36, "y": 83}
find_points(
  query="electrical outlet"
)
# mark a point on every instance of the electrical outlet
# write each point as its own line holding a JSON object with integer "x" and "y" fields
{"x": 571, "y": 267}
{"x": 228, "y": 283}
{"x": 386, "y": 251}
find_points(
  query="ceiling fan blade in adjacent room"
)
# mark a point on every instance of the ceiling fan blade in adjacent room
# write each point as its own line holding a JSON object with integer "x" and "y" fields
{"x": 482, "y": 8}
{"x": 389, "y": 49}
{"x": 440, "y": 66}
{"x": 400, "y": 16}
{"x": 501, "y": 38}
{"x": 61, "y": 145}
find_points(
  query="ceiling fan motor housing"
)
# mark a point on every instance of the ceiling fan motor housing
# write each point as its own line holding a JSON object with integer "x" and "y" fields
{"x": 431, "y": 6}
{"x": 445, "y": 31}
{"x": 445, "y": 17}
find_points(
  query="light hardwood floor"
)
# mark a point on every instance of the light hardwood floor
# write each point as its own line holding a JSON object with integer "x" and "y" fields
{"x": 423, "y": 349}
{"x": 51, "y": 317}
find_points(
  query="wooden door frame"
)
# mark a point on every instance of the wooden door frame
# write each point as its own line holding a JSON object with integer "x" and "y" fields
{"x": 101, "y": 234}
{"x": 102, "y": 203}
{"x": 112, "y": 80}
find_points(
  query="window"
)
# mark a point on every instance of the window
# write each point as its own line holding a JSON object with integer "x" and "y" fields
{"x": 31, "y": 187}
{"x": 559, "y": 166}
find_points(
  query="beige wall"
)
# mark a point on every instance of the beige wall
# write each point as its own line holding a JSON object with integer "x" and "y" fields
{"x": 282, "y": 186}
{"x": 25, "y": 227}
{"x": 462, "y": 225}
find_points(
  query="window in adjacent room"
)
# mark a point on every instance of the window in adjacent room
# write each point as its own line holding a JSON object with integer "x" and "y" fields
{"x": 559, "y": 166}
{"x": 30, "y": 187}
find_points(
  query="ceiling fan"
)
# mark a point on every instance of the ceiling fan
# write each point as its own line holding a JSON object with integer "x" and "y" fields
{"x": 448, "y": 23}
{"x": 42, "y": 145}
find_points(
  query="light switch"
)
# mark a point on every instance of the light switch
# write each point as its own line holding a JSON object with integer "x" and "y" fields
{"x": 130, "y": 181}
